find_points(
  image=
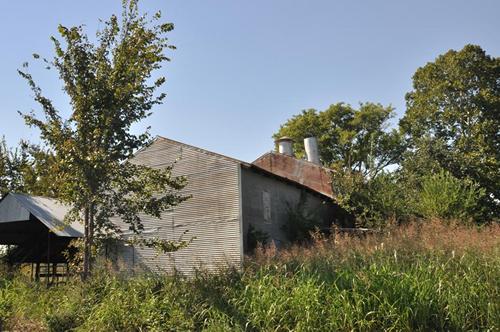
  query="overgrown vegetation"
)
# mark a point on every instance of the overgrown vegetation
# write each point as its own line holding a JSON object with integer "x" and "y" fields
{"x": 427, "y": 276}
{"x": 301, "y": 221}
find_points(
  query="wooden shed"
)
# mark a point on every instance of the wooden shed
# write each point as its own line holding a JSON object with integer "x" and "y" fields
{"x": 34, "y": 227}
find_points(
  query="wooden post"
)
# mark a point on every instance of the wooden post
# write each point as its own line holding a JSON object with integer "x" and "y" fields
{"x": 39, "y": 259}
{"x": 86, "y": 249}
{"x": 54, "y": 273}
{"x": 37, "y": 271}
{"x": 48, "y": 257}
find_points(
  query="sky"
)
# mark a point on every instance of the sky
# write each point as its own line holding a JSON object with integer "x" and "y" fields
{"x": 242, "y": 68}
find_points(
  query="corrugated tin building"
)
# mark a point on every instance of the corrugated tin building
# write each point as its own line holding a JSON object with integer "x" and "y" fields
{"x": 231, "y": 202}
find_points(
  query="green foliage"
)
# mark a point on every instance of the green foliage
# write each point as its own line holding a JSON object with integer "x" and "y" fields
{"x": 348, "y": 138}
{"x": 27, "y": 169}
{"x": 357, "y": 145}
{"x": 255, "y": 237}
{"x": 300, "y": 223}
{"x": 397, "y": 282}
{"x": 388, "y": 196}
{"x": 446, "y": 197}
{"x": 38, "y": 172}
{"x": 453, "y": 119}
{"x": 160, "y": 245}
{"x": 4, "y": 168}
{"x": 110, "y": 87}
{"x": 451, "y": 123}
{"x": 13, "y": 164}
{"x": 399, "y": 197}
{"x": 372, "y": 201}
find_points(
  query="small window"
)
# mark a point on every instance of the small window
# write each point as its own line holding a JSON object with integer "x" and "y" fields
{"x": 266, "y": 206}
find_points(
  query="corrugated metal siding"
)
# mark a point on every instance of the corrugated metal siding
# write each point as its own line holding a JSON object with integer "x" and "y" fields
{"x": 12, "y": 210}
{"x": 212, "y": 215}
{"x": 283, "y": 196}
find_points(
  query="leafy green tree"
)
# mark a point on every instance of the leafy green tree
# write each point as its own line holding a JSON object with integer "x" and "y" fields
{"x": 453, "y": 119}
{"x": 38, "y": 171}
{"x": 358, "y": 145}
{"x": 27, "y": 169}
{"x": 4, "y": 162}
{"x": 446, "y": 197}
{"x": 373, "y": 202}
{"x": 13, "y": 162}
{"x": 110, "y": 89}
{"x": 353, "y": 139}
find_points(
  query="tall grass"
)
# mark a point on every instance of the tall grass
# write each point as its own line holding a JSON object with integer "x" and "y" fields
{"x": 422, "y": 277}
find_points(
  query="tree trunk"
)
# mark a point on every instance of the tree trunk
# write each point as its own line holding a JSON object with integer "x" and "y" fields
{"x": 91, "y": 235}
{"x": 86, "y": 247}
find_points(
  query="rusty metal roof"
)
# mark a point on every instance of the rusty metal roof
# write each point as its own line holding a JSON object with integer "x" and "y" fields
{"x": 303, "y": 172}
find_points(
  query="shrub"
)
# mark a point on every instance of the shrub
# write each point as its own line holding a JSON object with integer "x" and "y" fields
{"x": 372, "y": 201}
{"x": 446, "y": 197}
{"x": 300, "y": 224}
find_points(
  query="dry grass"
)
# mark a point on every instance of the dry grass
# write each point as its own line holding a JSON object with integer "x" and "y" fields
{"x": 435, "y": 236}
{"x": 421, "y": 277}
{"x": 22, "y": 324}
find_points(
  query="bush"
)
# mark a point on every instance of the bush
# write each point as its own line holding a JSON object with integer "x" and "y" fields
{"x": 375, "y": 201}
{"x": 300, "y": 224}
{"x": 446, "y": 197}
{"x": 399, "y": 197}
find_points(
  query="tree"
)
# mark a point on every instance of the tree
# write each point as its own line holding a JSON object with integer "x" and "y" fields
{"x": 453, "y": 118}
{"x": 28, "y": 169}
{"x": 4, "y": 162}
{"x": 358, "y": 146}
{"x": 38, "y": 171}
{"x": 13, "y": 163}
{"x": 110, "y": 89}
{"x": 352, "y": 139}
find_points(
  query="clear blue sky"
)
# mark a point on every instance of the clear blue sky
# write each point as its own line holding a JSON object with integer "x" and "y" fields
{"x": 243, "y": 67}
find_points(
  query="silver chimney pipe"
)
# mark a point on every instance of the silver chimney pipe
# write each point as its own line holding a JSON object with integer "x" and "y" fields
{"x": 311, "y": 147}
{"x": 285, "y": 145}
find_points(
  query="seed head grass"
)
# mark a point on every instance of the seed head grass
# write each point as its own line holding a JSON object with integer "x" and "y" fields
{"x": 431, "y": 276}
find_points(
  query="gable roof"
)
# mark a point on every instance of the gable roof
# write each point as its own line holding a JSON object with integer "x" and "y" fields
{"x": 18, "y": 207}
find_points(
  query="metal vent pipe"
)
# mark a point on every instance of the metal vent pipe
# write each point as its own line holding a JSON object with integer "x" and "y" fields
{"x": 311, "y": 147}
{"x": 285, "y": 145}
